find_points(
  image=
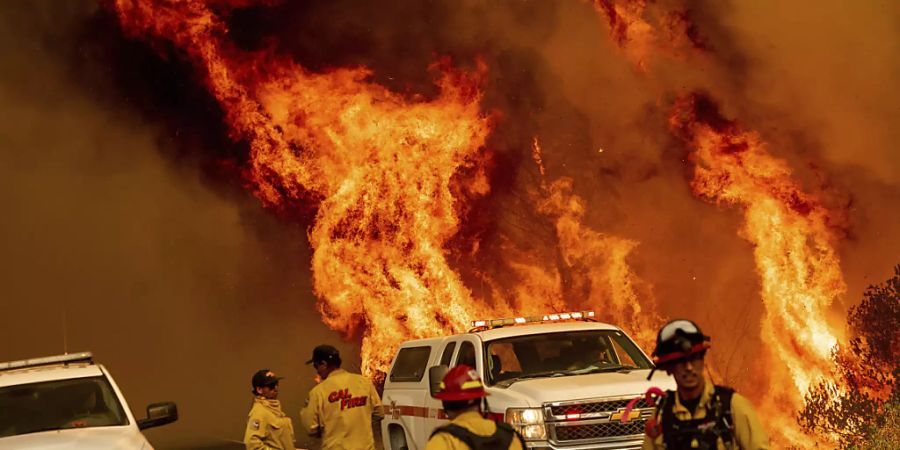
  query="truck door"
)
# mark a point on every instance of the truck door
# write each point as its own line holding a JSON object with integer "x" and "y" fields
{"x": 406, "y": 390}
{"x": 468, "y": 352}
{"x": 431, "y": 407}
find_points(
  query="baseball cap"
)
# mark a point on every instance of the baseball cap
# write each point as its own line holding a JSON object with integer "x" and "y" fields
{"x": 324, "y": 352}
{"x": 265, "y": 377}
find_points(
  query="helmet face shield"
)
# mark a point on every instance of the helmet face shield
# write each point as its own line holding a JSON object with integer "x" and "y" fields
{"x": 669, "y": 330}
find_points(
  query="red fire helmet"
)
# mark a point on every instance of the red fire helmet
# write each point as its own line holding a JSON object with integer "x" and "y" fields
{"x": 461, "y": 383}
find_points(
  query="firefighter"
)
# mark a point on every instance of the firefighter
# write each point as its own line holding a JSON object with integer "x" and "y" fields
{"x": 341, "y": 408}
{"x": 699, "y": 414}
{"x": 461, "y": 393}
{"x": 268, "y": 428}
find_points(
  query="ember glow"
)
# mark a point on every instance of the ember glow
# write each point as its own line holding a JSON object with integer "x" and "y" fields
{"x": 793, "y": 247}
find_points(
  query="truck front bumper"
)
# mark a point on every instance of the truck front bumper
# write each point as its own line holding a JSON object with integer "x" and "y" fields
{"x": 631, "y": 444}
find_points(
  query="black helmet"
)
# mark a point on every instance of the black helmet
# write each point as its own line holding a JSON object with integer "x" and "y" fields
{"x": 325, "y": 353}
{"x": 678, "y": 339}
{"x": 264, "y": 378}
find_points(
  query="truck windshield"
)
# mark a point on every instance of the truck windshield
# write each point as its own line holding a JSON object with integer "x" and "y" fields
{"x": 54, "y": 405}
{"x": 561, "y": 354}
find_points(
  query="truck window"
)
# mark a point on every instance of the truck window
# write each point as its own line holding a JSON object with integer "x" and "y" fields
{"x": 410, "y": 365}
{"x": 571, "y": 353}
{"x": 503, "y": 361}
{"x": 466, "y": 354}
{"x": 52, "y": 405}
{"x": 448, "y": 353}
{"x": 627, "y": 354}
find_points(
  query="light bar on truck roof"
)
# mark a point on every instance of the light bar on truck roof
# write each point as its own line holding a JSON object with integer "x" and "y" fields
{"x": 497, "y": 323}
{"x": 83, "y": 357}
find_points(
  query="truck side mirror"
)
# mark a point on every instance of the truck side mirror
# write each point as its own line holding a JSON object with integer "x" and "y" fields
{"x": 159, "y": 414}
{"x": 435, "y": 375}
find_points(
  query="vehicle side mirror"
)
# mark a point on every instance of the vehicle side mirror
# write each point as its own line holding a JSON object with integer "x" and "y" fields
{"x": 435, "y": 376}
{"x": 159, "y": 414}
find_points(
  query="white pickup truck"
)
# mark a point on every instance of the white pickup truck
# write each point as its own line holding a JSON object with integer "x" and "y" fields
{"x": 68, "y": 402}
{"x": 562, "y": 380}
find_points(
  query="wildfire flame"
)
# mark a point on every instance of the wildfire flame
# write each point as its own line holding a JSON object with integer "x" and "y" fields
{"x": 793, "y": 247}
{"x": 598, "y": 260}
{"x": 793, "y": 241}
{"x": 641, "y": 29}
{"x": 381, "y": 165}
{"x": 385, "y": 172}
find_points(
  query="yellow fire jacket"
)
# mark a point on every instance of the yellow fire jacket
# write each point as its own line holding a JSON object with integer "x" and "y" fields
{"x": 473, "y": 422}
{"x": 748, "y": 432}
{"x": 340, "y": 409}
{"x": 268, "y": 428}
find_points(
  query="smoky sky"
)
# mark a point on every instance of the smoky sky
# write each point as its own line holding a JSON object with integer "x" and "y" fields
{"x": 126, "y": 208}
{"x": 117, "y": 241}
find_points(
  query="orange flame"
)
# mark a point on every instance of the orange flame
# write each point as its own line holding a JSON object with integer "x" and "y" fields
{"x": 385, "y": 173}
{"x": 793, "y": 247}
{"x": 628, "y": 29}
{"x": 597, "y": 262}
{"x": 381, "y": 165}
{"x": 380, "y": 234}
{"x": 640, "y": 29}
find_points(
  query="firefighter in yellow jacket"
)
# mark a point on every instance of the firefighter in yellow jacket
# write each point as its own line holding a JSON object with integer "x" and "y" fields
{"x": 342, "y": 407}
{"x": 268, "y": 428}
{"x": 699, "y": 414}
{"x": 461, "y": 392}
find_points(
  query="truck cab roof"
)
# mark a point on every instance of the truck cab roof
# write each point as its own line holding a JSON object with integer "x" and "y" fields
{"x": 48, "y": 373}
{"x": 543, "y": 328}
{"x": 61, "y": 367}
{"x": 519, "y": 330}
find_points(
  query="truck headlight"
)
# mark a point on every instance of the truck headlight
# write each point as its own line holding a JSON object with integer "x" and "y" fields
{"x": 529, "y": 422}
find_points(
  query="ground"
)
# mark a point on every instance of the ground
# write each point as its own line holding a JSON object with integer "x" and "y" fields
{"x": 239, "y": 446}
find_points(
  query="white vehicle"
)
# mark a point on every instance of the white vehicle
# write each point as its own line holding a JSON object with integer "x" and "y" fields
{"x": 68, "y": 402}
{"x": 562, "y": 380}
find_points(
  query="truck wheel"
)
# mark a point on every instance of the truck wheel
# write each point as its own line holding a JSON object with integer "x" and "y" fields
{"x": 397, "y": 437}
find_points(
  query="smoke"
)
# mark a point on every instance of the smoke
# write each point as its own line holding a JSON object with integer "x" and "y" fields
{"x": 829, "y": 68}
{"x": 122, "y": 182}
{"x": 181, "y": 285}
{"x": 818, "y": 85}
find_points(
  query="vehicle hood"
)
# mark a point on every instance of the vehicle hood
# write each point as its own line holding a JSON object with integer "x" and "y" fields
{"x": 107, "y": 438}
{"x": 577, "y": 387}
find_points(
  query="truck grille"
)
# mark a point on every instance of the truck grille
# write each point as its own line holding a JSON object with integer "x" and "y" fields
{"x": 596, "y": 407}
{"x": 599, "y": 430}
{"x": 596, "y": 421}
